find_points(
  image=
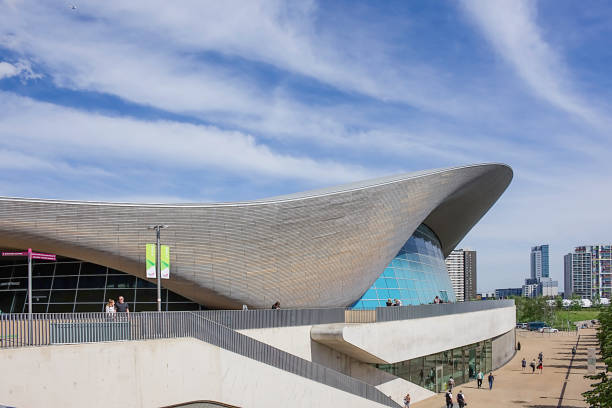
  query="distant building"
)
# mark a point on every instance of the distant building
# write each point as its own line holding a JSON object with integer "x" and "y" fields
{"x": 587, "y": 272}
{"x": 461, "y": 266}
{"x": 548, "y": 287}
{"x": 540, "y": 287}
{"x": 540, "y": 283}
{"x": 507, "y": 292}
{"x": 530, "y": 288}
{"x": 539, "y": 262}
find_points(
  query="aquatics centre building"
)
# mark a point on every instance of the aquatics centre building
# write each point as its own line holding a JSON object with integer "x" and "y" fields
{"x": 331, "y": 257}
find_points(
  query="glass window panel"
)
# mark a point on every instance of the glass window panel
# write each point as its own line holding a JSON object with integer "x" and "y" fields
{"x": 92, "y": 269}
{"x": 20, "y": 270}
{"x": 145, "y": 284}
{"x": 67, "y": 268}
{"x": 43, "y": 269}
{"x": 182, "y": 306}
{"x": 39, "y": 307}
{"x": 90, "y": 296}
{"x": 41, "y": 283}
{"x": 62, "y": 296}
{"x": 146, "y": 307}
{"x": 89, "y": 307}
{"x": 146, "y": 295}
{"x": 19, "y": 283}
{"x": 121, "y": 281}
{"x": 40, "y": 296}
{"x": 65, "y": 282}
{"x": 173, "y": 297}
{"x": 60, "y": 308}
{"x": 88, "y": 281}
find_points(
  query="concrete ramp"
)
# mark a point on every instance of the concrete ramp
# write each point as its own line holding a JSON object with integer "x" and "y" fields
{"x": 156, "y": 373}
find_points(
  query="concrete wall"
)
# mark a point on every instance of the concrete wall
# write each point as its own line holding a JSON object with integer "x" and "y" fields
{"x": 503, "y": 349}
{"x": 154, "y": 373}
{"x": 296, "y": 340}
{"x": 390, "y": 342}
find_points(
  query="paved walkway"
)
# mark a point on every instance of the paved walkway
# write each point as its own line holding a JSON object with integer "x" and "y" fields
{"x": 558, "y": 385}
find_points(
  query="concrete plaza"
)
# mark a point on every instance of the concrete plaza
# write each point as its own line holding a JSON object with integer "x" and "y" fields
{"x": 559, "y": 385}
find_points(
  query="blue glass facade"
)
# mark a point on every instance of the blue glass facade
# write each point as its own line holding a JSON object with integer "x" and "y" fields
{"x": 415, "y": 276}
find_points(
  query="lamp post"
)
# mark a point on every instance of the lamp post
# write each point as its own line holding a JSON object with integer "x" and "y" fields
{"x": 158, "y": 228}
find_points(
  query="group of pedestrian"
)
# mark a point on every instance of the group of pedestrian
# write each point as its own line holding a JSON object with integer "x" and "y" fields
{"x": 480, "y": 377}
{"x": 394, "y": 302}
{"x": 120, "y": 307}
{"x": 533, "y": 365}
{"x": 460, "y": 399}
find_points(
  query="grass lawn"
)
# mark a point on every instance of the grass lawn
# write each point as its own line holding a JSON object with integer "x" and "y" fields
{"x": 562, "y": 316}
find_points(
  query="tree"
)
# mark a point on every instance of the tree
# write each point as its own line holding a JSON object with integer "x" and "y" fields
{"x": 601, "y": 394}
{"x": 576, "y": 302}
{"x": 559, "y": 302}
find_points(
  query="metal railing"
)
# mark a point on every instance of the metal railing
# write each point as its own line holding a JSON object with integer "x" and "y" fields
{"x": 71, "y": 328}
{"x": 385, "y": 314}
{"x": 266, "y": 318}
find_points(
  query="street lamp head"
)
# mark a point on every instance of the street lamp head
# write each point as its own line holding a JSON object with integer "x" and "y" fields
{"x": 157, "y": 226}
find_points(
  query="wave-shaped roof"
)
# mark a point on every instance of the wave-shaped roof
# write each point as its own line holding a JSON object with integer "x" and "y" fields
{"x": 320, "y": 248}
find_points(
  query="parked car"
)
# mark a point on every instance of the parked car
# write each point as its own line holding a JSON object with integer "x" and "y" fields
{"x": 548, "y": 330}
{"x": 521, "y": 325}
{"x": 535, "y": 326}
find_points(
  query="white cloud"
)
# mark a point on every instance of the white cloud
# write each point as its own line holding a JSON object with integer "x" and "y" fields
{"x": 21, "y": 68}
{"x": 511, "y": 27}
{"x": 58, "y": 133}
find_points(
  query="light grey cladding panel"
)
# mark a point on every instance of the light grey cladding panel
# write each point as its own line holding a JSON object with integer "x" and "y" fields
{"x": 316, "y": 249}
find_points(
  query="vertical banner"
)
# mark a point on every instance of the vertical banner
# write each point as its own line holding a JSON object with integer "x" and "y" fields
{"x": 165, "y": 261}
{"x": 150, "y": 261}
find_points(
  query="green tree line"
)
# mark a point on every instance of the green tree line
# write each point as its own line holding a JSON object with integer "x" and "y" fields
{"x": 601, "y": 394}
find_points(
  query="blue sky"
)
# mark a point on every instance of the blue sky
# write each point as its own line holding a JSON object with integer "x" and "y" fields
{"x": 155, "y": 101}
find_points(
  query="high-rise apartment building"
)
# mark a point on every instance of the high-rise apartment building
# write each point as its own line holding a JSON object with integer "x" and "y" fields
{"x": 539, "y": 262}
{"x": 588, "y": 272}
{"x": 461, "y": 266}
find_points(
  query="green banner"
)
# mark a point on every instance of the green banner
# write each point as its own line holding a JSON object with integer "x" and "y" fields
{"x": 150, "y": 260}
{"x": 165, "y": 262}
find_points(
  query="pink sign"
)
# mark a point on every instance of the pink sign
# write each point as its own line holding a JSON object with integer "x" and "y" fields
{"x": 47, "y": 257}
{"x": 14, "y": 254}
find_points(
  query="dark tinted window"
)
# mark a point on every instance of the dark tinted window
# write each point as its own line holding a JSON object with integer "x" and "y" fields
{"x": 86, "y": 281}
{"x": 65, "y": 282}
{"x": 67, "y": 268}
{"x": 90, "y": 296}
{"x": 93, "y": 269}
{"x": 60, "y": 308}
{"x": 60, "y": 296}
{"x": 120, "y": 281}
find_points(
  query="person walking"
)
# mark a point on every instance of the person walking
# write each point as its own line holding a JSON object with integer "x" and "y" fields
{"x": 518, "y": 346}
{"x": 479, "y": 378}
{"x": 524, "y": 363}
{"x": 573, "y": 351}
{"x": 407, "y": 401}
{"x": 461, "y": 399}
{"x": 491, "y": 378}
{"x": 532, "y": 365}
{"x": 449, "y": 399}
{"x": 540, "y": 367}
{"x": 276, "y": 305}
{"x": 451, "y": 383}
{"x": 540, "y": 357}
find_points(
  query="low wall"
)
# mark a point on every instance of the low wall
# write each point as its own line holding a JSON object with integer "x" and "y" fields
{"x": 154, "y": 373}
